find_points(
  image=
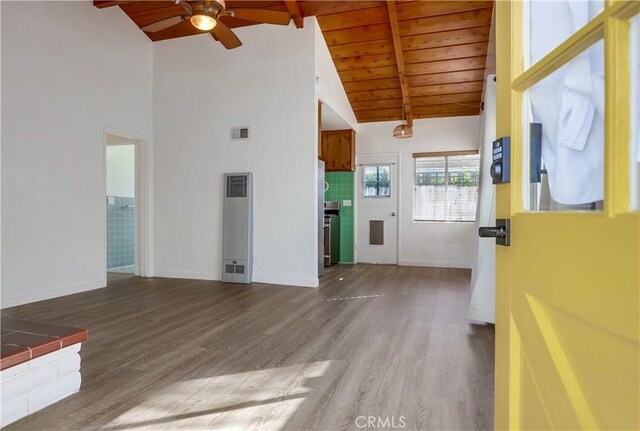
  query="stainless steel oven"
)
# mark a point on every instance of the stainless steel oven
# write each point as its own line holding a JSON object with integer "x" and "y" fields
{"x": 331, "y": 233}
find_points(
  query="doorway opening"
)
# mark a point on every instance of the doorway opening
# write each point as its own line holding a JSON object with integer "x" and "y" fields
{"x": 336, "y": 150}
{"x": 121, "y": 204}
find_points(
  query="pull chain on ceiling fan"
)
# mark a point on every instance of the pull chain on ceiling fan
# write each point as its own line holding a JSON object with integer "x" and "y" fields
{"x": 205, "y": 16}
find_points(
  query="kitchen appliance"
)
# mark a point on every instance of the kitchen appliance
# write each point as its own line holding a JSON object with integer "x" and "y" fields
{"x": 237, "y": 228}
{"x": 331, "y": 233}
{"x": 320, "y": 197}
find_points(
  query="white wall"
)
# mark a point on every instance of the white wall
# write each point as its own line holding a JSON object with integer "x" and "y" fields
{"x": 426, "y": 243}
{"x": 328, "y": 84}
{"x": 200, "y": 91}
{"x": 121, "y": 170}
{"x": 68, "y": 71}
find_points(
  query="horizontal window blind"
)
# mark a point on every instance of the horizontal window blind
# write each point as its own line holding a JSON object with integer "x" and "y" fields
{"x": 446, "y": 186}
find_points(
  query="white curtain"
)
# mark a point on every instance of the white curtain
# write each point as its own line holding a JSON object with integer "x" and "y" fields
{"x": 483, "y": 284}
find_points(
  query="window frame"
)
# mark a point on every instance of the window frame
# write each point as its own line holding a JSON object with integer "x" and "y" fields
{"x": 446, "y": 155}
{"x": 364, "y": 181}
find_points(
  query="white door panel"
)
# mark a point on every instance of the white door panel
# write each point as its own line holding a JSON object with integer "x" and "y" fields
{"x": 377, "y": 214}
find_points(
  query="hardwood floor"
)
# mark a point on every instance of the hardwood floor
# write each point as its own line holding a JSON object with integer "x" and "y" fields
{"x": 380, "y": 341}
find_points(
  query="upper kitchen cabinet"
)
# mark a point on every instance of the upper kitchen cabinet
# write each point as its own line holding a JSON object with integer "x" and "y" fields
{"x": 338, "y": 150}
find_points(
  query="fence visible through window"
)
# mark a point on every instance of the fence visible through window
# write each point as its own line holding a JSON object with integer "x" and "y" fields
{"x": 377, "y": 181}
{"x": 445, "y": 186}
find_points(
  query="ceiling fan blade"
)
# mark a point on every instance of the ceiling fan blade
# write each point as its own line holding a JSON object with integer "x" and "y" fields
{"x": 262, "y": 15}
{"x": 226, "y": 37}
{"x": 162, "y": 24}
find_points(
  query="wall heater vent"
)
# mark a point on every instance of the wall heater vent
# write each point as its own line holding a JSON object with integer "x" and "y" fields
{"x": 237, "y": 233}
{"x": 233, "y": 269}
{"x": 239, "y": 133}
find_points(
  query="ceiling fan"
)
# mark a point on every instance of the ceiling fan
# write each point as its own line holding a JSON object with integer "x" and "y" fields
{"x": 205, "y": 16}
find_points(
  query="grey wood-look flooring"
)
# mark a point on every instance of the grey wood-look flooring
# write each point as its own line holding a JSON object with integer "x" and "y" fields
{"x": 382, "y": 341}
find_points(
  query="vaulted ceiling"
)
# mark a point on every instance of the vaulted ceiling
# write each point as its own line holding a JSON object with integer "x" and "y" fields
{"x": 429, "y": 56}
{"x": 417, "y": 59}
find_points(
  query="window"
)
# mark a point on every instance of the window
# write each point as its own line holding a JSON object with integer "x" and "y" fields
{"x": 377, "y": 181}
{"x": 446, "y": 186}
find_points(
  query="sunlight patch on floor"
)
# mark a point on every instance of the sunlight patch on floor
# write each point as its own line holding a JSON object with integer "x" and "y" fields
{"x": 260, "y": 399}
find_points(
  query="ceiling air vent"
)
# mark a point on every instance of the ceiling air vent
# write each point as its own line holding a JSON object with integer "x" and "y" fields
{"x": 239, "y": 133}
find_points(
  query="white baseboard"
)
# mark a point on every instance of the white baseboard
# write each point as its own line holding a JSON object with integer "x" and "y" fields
{"x": 190, "y": 275}
{"x": 435, "y": 264}
{"x": 28, "y": 298}
{"x": 287, "y": 281}
{"x": 257, "y": 278}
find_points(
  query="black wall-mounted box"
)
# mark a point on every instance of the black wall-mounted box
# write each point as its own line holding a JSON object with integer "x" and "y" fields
{"x": 501, "y": 166}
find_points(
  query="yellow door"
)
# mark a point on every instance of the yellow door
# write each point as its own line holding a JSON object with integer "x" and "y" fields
{"x": 567, "y": 307}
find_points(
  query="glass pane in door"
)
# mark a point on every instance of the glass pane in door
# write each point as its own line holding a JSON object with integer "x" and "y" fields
{"x": 563, "y": 137}
{"x": 377, "y": 181}
{"x": 548, "y": 23}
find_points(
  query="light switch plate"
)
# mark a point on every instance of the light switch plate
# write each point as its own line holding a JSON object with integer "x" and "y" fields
{"x": 346, "y": 203}
{"x": 111, "y": 200}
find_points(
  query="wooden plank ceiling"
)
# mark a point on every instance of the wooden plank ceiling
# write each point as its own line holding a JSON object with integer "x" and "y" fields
{"x": 420, "y": 59}
{"x": 444, "y": 50}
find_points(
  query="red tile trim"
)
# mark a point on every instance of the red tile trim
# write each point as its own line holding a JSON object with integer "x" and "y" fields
{"x": 13, "y": 355}
{"x": 22, "y": 340}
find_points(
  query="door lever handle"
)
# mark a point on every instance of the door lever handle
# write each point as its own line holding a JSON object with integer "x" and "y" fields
{"x": 501, "y": 232}
{"x": 492, "y": 232}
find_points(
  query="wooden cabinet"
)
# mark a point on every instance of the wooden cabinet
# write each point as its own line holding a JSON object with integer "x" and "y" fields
{"x": 338, "y": 150}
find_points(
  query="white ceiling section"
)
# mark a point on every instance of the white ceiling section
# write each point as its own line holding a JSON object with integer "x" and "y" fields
{"x": 330, "y": 120}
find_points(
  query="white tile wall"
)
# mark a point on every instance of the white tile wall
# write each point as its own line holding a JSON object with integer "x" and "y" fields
{"x": 34, "y": 385}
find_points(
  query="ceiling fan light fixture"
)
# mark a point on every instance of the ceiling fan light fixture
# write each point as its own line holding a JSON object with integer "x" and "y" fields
{"x": 402, "y": 131}
{"x": 203, "y": 22}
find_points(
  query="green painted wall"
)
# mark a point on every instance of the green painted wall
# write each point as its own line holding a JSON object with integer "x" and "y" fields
{"x": 341, "y": 188}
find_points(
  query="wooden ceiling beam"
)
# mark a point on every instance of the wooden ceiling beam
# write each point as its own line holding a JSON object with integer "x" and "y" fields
{"x": 420, "y": 112}
{"x": 329, "y": 7}
{"x": 101, "y": 4}
{"x": 295, "y": 12}
{"x": 368, "y": 74}
{"x": 454, "y": 88}
{"x": 372, "y": 85}
{"x": 397, "y": 46}
{"x": 440, "y": 115}
{"x": 471, "y": 100}
{"x": 358, "y": 96}
{"x": 446, "y": 78}
{"x": 356, "y": 18}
